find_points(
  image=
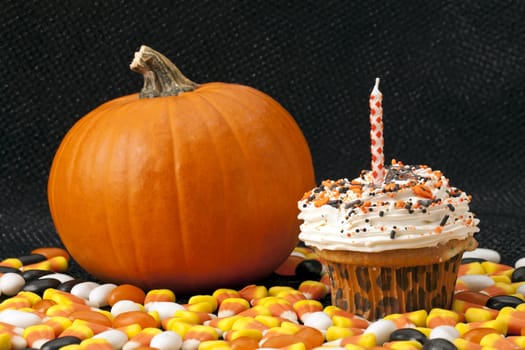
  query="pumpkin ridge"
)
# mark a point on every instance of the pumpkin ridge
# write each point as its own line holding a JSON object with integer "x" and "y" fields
{"x": 108, "y": 115}
{"x": 184, "y": 244}
{"x": 74, "y": 143}
{"x": 228, "y": 249}
{"x": 302, "y": 163}
{"x": 234, "y": 93}
{"x": 113, "y": 238}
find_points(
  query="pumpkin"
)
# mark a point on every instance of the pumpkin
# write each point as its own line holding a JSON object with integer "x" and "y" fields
{"x": 184, "y": 186}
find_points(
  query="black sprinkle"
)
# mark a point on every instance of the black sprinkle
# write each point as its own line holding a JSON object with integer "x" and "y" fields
{"x": 381, "y": 213}
{"x": 352, "y": 204}
{"x": 455, "y": 194}
{"x": 392, "y": 234}
{"x": 425, "y": 202}
{"x": 342, "y": 189}
{"x": 443, "y": 221}
{"x": 451, "y": 207}
{"x": 334, "y": 203}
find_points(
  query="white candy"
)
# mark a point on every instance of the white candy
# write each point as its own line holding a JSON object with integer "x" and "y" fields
{"x": 98, "y": 297}
{"x": 11, "y": 283}
{"x": 83, "y": 289}
{"x": 446, "y": 332}
{"x": 382, "y": 330}
{"x": 19, "y": 318}
{"x": 165, "y": 309}
{"x": 483, "y": 253}
{"x": 319, "y": 320}
{"x": 519, "y": 263}
{"x": 167, "y": 340}
{"x": 115, "y": 337}
{"x": 62, "y": 277}
{"x": 124, "y": 306}
{"x": 476, "y": 282}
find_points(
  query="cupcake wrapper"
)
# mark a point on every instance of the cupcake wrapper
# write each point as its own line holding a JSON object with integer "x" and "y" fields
{"x": 374, "y": 291}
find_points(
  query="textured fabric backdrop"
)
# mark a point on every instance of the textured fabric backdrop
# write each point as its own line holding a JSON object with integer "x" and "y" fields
{"x": 452, "y": 75}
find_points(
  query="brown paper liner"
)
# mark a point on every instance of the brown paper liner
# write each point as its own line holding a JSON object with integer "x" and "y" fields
{"x": 422, "y": 278}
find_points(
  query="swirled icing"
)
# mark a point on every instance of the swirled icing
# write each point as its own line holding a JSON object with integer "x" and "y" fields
{"x": 415, "y": 207}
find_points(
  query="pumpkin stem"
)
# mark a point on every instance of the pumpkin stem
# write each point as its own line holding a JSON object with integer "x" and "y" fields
{"x": 161, "y": 76}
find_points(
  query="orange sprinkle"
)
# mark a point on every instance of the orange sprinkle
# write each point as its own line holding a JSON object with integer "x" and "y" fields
{"x": 322, "y": 200}
{"x": 422, "y": 191}
{"x": 365, "y": 206}
{"x": 400, "y": 204}
{"x": 390, "y": 187}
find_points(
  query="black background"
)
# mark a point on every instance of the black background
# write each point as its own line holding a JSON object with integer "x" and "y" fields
{"x": 452, "y": 75}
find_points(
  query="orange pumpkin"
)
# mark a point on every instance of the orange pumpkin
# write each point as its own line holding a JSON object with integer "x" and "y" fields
{"x": 183, "y": 186}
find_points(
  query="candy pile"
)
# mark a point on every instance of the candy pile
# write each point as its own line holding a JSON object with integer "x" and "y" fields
{"x": 43, "y": 307}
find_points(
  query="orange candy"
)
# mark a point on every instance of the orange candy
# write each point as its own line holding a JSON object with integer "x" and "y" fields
{"x": 141, "y": 318}
{"x": 472, "y": 297}
{"x": 287, "y": 268}
{"x": 159, "y": 295}
{"x": 43, "y": 305}
{"x": 91, "y": 316}
{"x": 279, "y": 341}
{"x": 126, "y": 292}
{"x": 51, "y": 252}
{"x": 311, "y": 337}
{"x": 475, "y": 335}
{"x": 244, "y": 343}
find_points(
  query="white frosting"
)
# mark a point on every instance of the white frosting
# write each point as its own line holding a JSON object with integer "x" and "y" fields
{"x": 357, "y": 216}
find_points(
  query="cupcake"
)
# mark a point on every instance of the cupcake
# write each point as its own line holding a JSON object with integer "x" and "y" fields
{"x": 391, "y": 247}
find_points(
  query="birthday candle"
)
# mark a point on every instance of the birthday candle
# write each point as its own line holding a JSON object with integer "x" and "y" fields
{"x": 376, "y": 134}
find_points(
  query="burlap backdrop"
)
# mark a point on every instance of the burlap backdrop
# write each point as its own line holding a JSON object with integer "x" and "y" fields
{"x": 453, "y": 79}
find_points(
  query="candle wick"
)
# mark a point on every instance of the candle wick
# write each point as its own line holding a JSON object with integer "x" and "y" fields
{"x": 375, "y": 90}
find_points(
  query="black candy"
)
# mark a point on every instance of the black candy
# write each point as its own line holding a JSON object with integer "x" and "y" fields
{"x": 31, "y": 259}
{"x": 38, "y": 286}
{"x": 518, "y": 275}
{"x": 68, "y": 285}
{"x": 408, "y": 334}
{"x": 30, "y": 275}
{"x": 309, "y": 269}
{"x": 472, "y": 260}
{"x": 498, "y": 302}
{"x": 7, "y": 269}
{"x": 439, "y": 344}
{"x": 57, "y": 343}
